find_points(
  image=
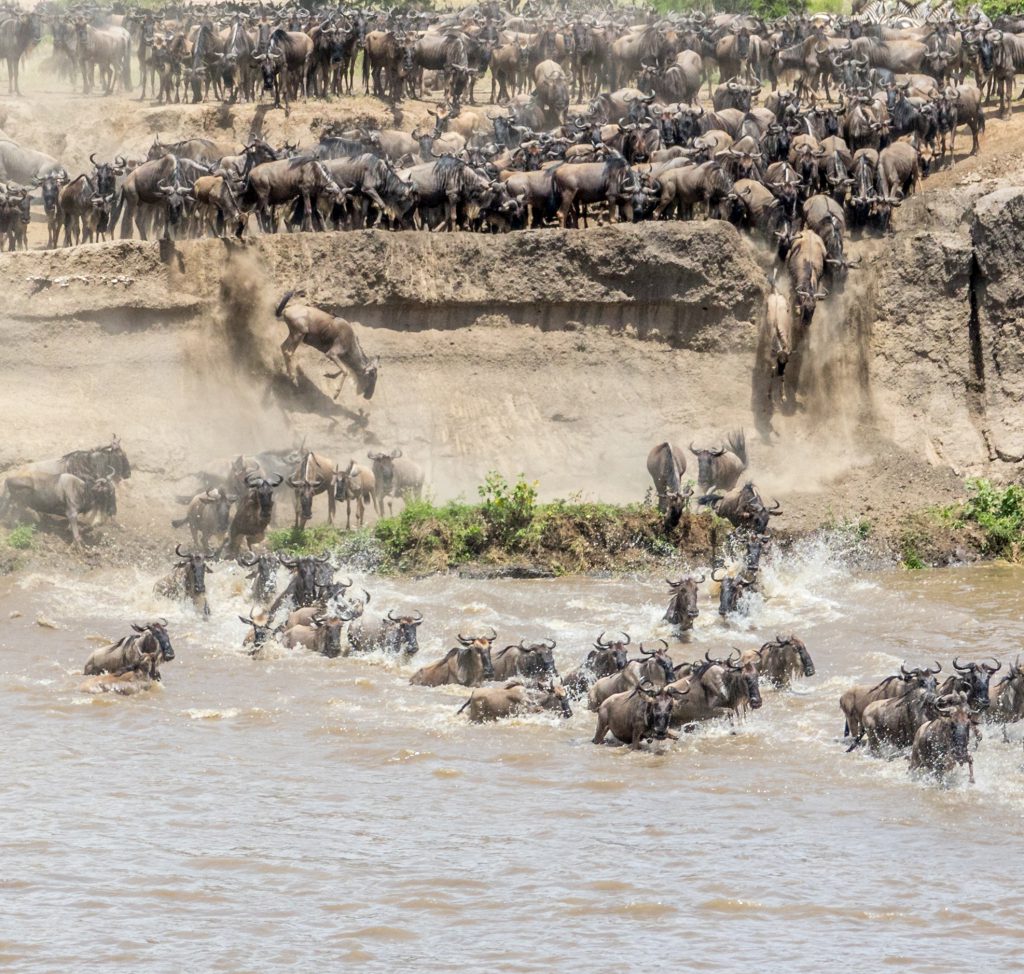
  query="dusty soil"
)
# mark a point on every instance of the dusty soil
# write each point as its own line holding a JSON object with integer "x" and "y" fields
{"x": 564, "y": 355}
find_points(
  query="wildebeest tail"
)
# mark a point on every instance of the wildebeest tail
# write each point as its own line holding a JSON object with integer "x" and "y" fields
{"x": 709, "y": 499}
{"x": 738, "y": 445}
{"x": 464, "y": 706}
{"x": 279, "y": 310}
{"x": 179, "y": 522}
{"x": 115, "y": 213}
{"x": 981, "y": 119}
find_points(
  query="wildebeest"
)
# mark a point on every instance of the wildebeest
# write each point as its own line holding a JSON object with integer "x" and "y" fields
{"x": 495, "y": 703}
{"x": 779, "y": 661}
{"x": 1006, "y": 698}
{"x": 393, "y": 634}
{"x": 743, "y": 507}
{"x": 682, "y": 607}
{"x": 322, "y": 635}
{"x": 468, "y": 665}
{"x": 187, "y": 581}
{"x": 314, "y": 475}
{"x": 208, "y": 517}
{"x": 605, "y": 659}
{"x": 854, "y": 701}
{"x": 25, "y": 166}
{"x": 61, "y": 495}
{"x": 717, "y": 687}
{"x": 394, "y": 476}
{"x": 633, "y": 716}
{"x": 655, "y": 667}
{"x": 941, "y": 744}
{"x": 261, "y": 629}
{"x": 302, "y": 589}
{"x": 732, "y": 589}
{"x": 159, "y": 185}
{"x": 252, "y": 518}
{"x": 355, "y": 483}
{"x": 894, "y": 721}
{"x": 263, "y": 574}
{"x": 17, "y": 35}
{"x": 586, "y": 183}
{"x": 334, "y": 337}
{"x": 143, "y": 651}
{"x": 666, "y": 463}
{"x": 722, "y": 467}
{"x": 536, "y": 660}
{"x": 971, "y": 679}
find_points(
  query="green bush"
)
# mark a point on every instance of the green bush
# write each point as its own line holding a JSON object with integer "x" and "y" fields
{"x": 508, "y": 510}
{"x": 22, "y": 537}
{"x": 999, "y": 512}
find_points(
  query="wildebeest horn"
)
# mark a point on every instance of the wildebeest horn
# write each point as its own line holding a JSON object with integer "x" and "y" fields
{"x": 551, "y": 644}
{"x": 417, "y": 617}
{"x": 960, "y": 666}
{"x": 700, "y": 581}
{"x": 280, "y": 480}
{"x": 92, "y": 159}
{"x": 938, "y": 668}
{"x": 714, "y": 578}
{"x": 600, "y": 643}
{"x": 179, "y": 552}
{"x": 993, "y": 669}
{"x": 671, "y": 584}
{"x": 288, "y": 562}
{"x": 391, "y": 615}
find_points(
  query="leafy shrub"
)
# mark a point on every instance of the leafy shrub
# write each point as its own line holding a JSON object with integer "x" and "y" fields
{"x": 508, "y": 510}
{"x": 999, "y": 512}
{"x": 22, "y": 537}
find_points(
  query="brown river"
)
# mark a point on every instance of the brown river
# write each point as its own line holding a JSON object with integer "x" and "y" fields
{"x": 302, "y": 814}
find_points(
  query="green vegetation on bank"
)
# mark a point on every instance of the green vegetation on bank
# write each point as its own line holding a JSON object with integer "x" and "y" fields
{"x": 22, "y": 537}
{"x": 508, "y": 528}
{"x": 998, "y": 513}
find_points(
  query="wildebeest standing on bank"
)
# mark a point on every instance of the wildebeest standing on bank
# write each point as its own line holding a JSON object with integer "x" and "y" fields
{"x": 62, "y": 495}
{"x": 254, "y": 512}
{"x": 722, "y": 467}
{"x": 332, "y": 336}
{"x": 394, "y": 476}
{"x": 666, "y": 463}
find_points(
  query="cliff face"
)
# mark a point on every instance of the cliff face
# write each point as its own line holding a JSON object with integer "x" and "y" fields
{"x": 563, "y": 354}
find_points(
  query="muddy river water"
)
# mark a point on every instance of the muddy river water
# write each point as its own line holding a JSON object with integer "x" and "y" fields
{"x": 302, "y": 814}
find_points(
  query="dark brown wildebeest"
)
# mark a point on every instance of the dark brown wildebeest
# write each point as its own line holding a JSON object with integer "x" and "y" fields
{"x": 263, "y": 575}
{"x": 355, "y": 483}
{"x": 217, "y": 206}
{"x": 806, "y": 265}
{"x": 1006, "y": 698}
{"x": 682, "y": 607}
{"x": 783, "y": 659}
{"x": 717, "y": 687}
{"x": 208, "y": 517}
{"x": 722, "y": 467}
{"x": 856, "y": 699}
{"x": 252, "y": 518}
{"x": 394, "y": 634}
{"x": 288, "y": 55}
{"x": 332, "y": 336}
{"x": 605, "y": 659}
{"x": 160, "y": 185}
{"x": 302, "y": 181}
{"x": 743, "y": 508}
{"x": 733, "y": 588}
{"x": 142, "y": 651}
{"x": 586, "y": 183}
{"x": 302, "y": 589}
{"x": 386, "y": 53}
{"x": 187, "y": 581}
{"x": 941, "y": 744}
{"x": 394, "y": 476}
{"x": 535, "y": 661}
{"x": 973, "y": 680}
{"x": 640, "y": 714}
{"x": 314, "y": 475}
{"x": 894, "y": 721}
{"x": 496, "y": 703}
{"x": 655, "y": 668}
{"x": 468, "y": 665}
{"x": 684, "y": 187}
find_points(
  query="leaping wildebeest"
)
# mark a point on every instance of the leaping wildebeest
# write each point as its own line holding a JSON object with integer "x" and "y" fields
{"x": 332, "y": 336}
{"x": 722, "y": 467}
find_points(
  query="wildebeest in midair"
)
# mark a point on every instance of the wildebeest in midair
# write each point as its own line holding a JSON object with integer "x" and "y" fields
{"x": 332, "y": 336}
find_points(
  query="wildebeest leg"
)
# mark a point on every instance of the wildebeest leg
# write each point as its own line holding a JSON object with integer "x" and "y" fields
{"x": 342, "y": 372}
{"x": 296, "y": 334}
{"x": 330, "y": 502}
{"x": 601, "y": 732}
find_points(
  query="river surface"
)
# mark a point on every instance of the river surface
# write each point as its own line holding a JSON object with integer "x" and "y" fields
{"x": 303, "y": 814}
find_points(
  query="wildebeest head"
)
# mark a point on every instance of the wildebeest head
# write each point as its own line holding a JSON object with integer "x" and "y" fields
{"x": 50, "y": 185}
{"x": 682, "y": 607}
{"x": 974, "y": 679}
{"x": 175, "y": 196}
{"x": 733, "y": 589}
{"x": 261, "y": 629}
{"x": 303, "y": 582}
{"x": 400, "y": 633}
{"x": 263, "y": 573}
{"x": 755, "y": 547}
{"x": 262, "y": 490}
{"x": 657, "y": 710}
{"x": 366, "y": 380}
{"x": 304, "y": 492}
{"x": 746, "y": 668}
{"x": 677, "y": 502}
{"x": 659, "y": 658}
{"x": 104, "y": 174}
{"x": 155, "y": 639}
{"x": 480, "y": 646}
{"x": 222, "y": 502}
{"x": 195, "y": 571}
{"x": 103, "y": 495}
{"x": 384, "y": 467}
{"x": 706, "y": 463}
{"x": 118, "y": 459}
{"x": 328, "y": 636}
{"x": 608, "y": 657}
{"x": 537, "y": 659}
{"x": 553, "y": 695}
